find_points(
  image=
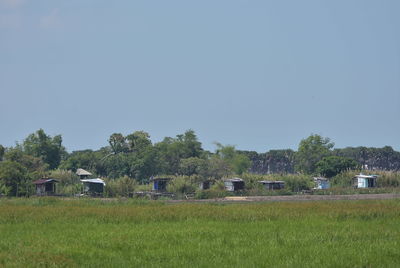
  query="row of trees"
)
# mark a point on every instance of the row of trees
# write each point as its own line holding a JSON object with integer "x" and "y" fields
{"x": 133, "y": 156}
{"x": 136, "y": 157}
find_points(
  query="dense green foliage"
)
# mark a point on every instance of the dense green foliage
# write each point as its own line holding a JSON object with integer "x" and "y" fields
{"x": 13, "y": 176}
{"x": 130, "y": 160}
{"x": 374, "y": 158}
{"x": 49, "y": 149}
{"x": 311, "y": 151}
{"x": 332, "y": 165}
{"x": 94, "y": 233}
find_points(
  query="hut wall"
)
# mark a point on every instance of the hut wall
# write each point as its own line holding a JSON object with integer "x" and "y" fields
{"x": 229, "y": 186}
{"x": 238, "y": 185}
{"x": 40, "y": 189}
{"x": 274, "y": 186}
{"x": 205, "y": 185}
{"x": 93, "y": 187}
{"x": 323, "y": 184}
{"x": 362, "y": 183}
{"x": 160, "y": 185}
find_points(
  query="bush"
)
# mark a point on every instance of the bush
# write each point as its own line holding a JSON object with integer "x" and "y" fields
{"x": 4, "y": 189}
{"x": 298, "y": 182}
{"x": 120, "y": 187}
{"x": 65, "y": 177}
{"x": 144, "y": 188}
{"x": 344, "y": 179}
{"x": 182, "y": 185}
{"x": 388, "y": 178}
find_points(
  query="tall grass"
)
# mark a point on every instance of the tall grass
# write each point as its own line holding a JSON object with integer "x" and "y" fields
{"x": 49, "y": 232}
{"x": 386, "y": 179}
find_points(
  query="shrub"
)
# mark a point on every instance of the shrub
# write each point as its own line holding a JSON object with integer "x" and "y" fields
{"x": 388, "y": 178}
{"x": 298, "y": 182}
{"x": 144, "y": 187}
{"x": 69, "y": 189}
{"x": 344, "y": 179}
{"x": 120, "y": 187}
{"x": 182, "y": 185}
{"x": 4, "y": 189}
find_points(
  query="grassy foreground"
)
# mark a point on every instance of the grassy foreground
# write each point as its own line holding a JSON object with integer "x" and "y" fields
{"x": 95, "y": 233}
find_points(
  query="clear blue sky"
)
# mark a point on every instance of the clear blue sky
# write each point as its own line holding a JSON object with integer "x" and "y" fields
{"x": 260, "y": 75}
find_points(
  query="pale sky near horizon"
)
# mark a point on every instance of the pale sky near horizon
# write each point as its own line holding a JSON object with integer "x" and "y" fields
{"x": 260, "y": 75}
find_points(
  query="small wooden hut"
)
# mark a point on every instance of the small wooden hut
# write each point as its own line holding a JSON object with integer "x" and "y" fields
{"x": 365, "y": 181}
{"x": 234, "y": 184}
{"x": 45, "y": 186}
{"x": 93, "y": 186}
{"x": 273, "y": 185}
{"x": 321, "y": 183}
{"x": 160, "y": 184}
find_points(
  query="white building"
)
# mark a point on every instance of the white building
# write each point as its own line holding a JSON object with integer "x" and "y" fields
{"x": 365, "y": 181}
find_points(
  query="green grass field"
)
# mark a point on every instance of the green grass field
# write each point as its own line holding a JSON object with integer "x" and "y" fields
{"x": 94, "y": 233}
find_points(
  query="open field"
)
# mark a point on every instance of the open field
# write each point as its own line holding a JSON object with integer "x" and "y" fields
{"x": 48, "y": 232}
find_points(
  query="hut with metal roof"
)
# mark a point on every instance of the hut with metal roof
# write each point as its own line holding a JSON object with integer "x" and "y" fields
{"x": 273, "y": 185}
{"x": 45, "y": 186}
{"x": 321, "y": 183}
{"x": 93, "y": 186}
{"x": 365, "y": 181}
{"x": 234, "y": 184}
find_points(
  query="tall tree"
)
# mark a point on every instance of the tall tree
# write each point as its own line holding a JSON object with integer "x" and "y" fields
{"x": 118, "y": 143}
{"x": 332, "y": 165}
{"x": 13, "y": 175}
{"x": 86, "y": 159}
{"x": 2, "y": 150}
{"x": 35, "y": 166}
{"x": 239, "y": 162}
{"x": 172, "y": 150}
{"x": 138, "y": 141}
{"x": 48, "y": 148}
{"x": 311, "y": 150}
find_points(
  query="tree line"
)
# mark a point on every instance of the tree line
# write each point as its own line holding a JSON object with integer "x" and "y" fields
{"x": 136, "y": 158}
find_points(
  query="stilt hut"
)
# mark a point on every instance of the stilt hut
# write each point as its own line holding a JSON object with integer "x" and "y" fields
{"x": 234, "y": 184}
{"x": 273, "y": 185}
{"x": 45, "y": 186}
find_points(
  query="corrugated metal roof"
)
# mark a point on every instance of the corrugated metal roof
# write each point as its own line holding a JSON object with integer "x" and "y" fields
{"x": 97, "y": 180}
{"x": 320, "y": 179}
{"x": 160, "y": 178}
{"x": 43, "y": 181}
{"x": 366, "y": 176}
{"x": 268, "y": 182}
{"x": 233, "y": 179}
